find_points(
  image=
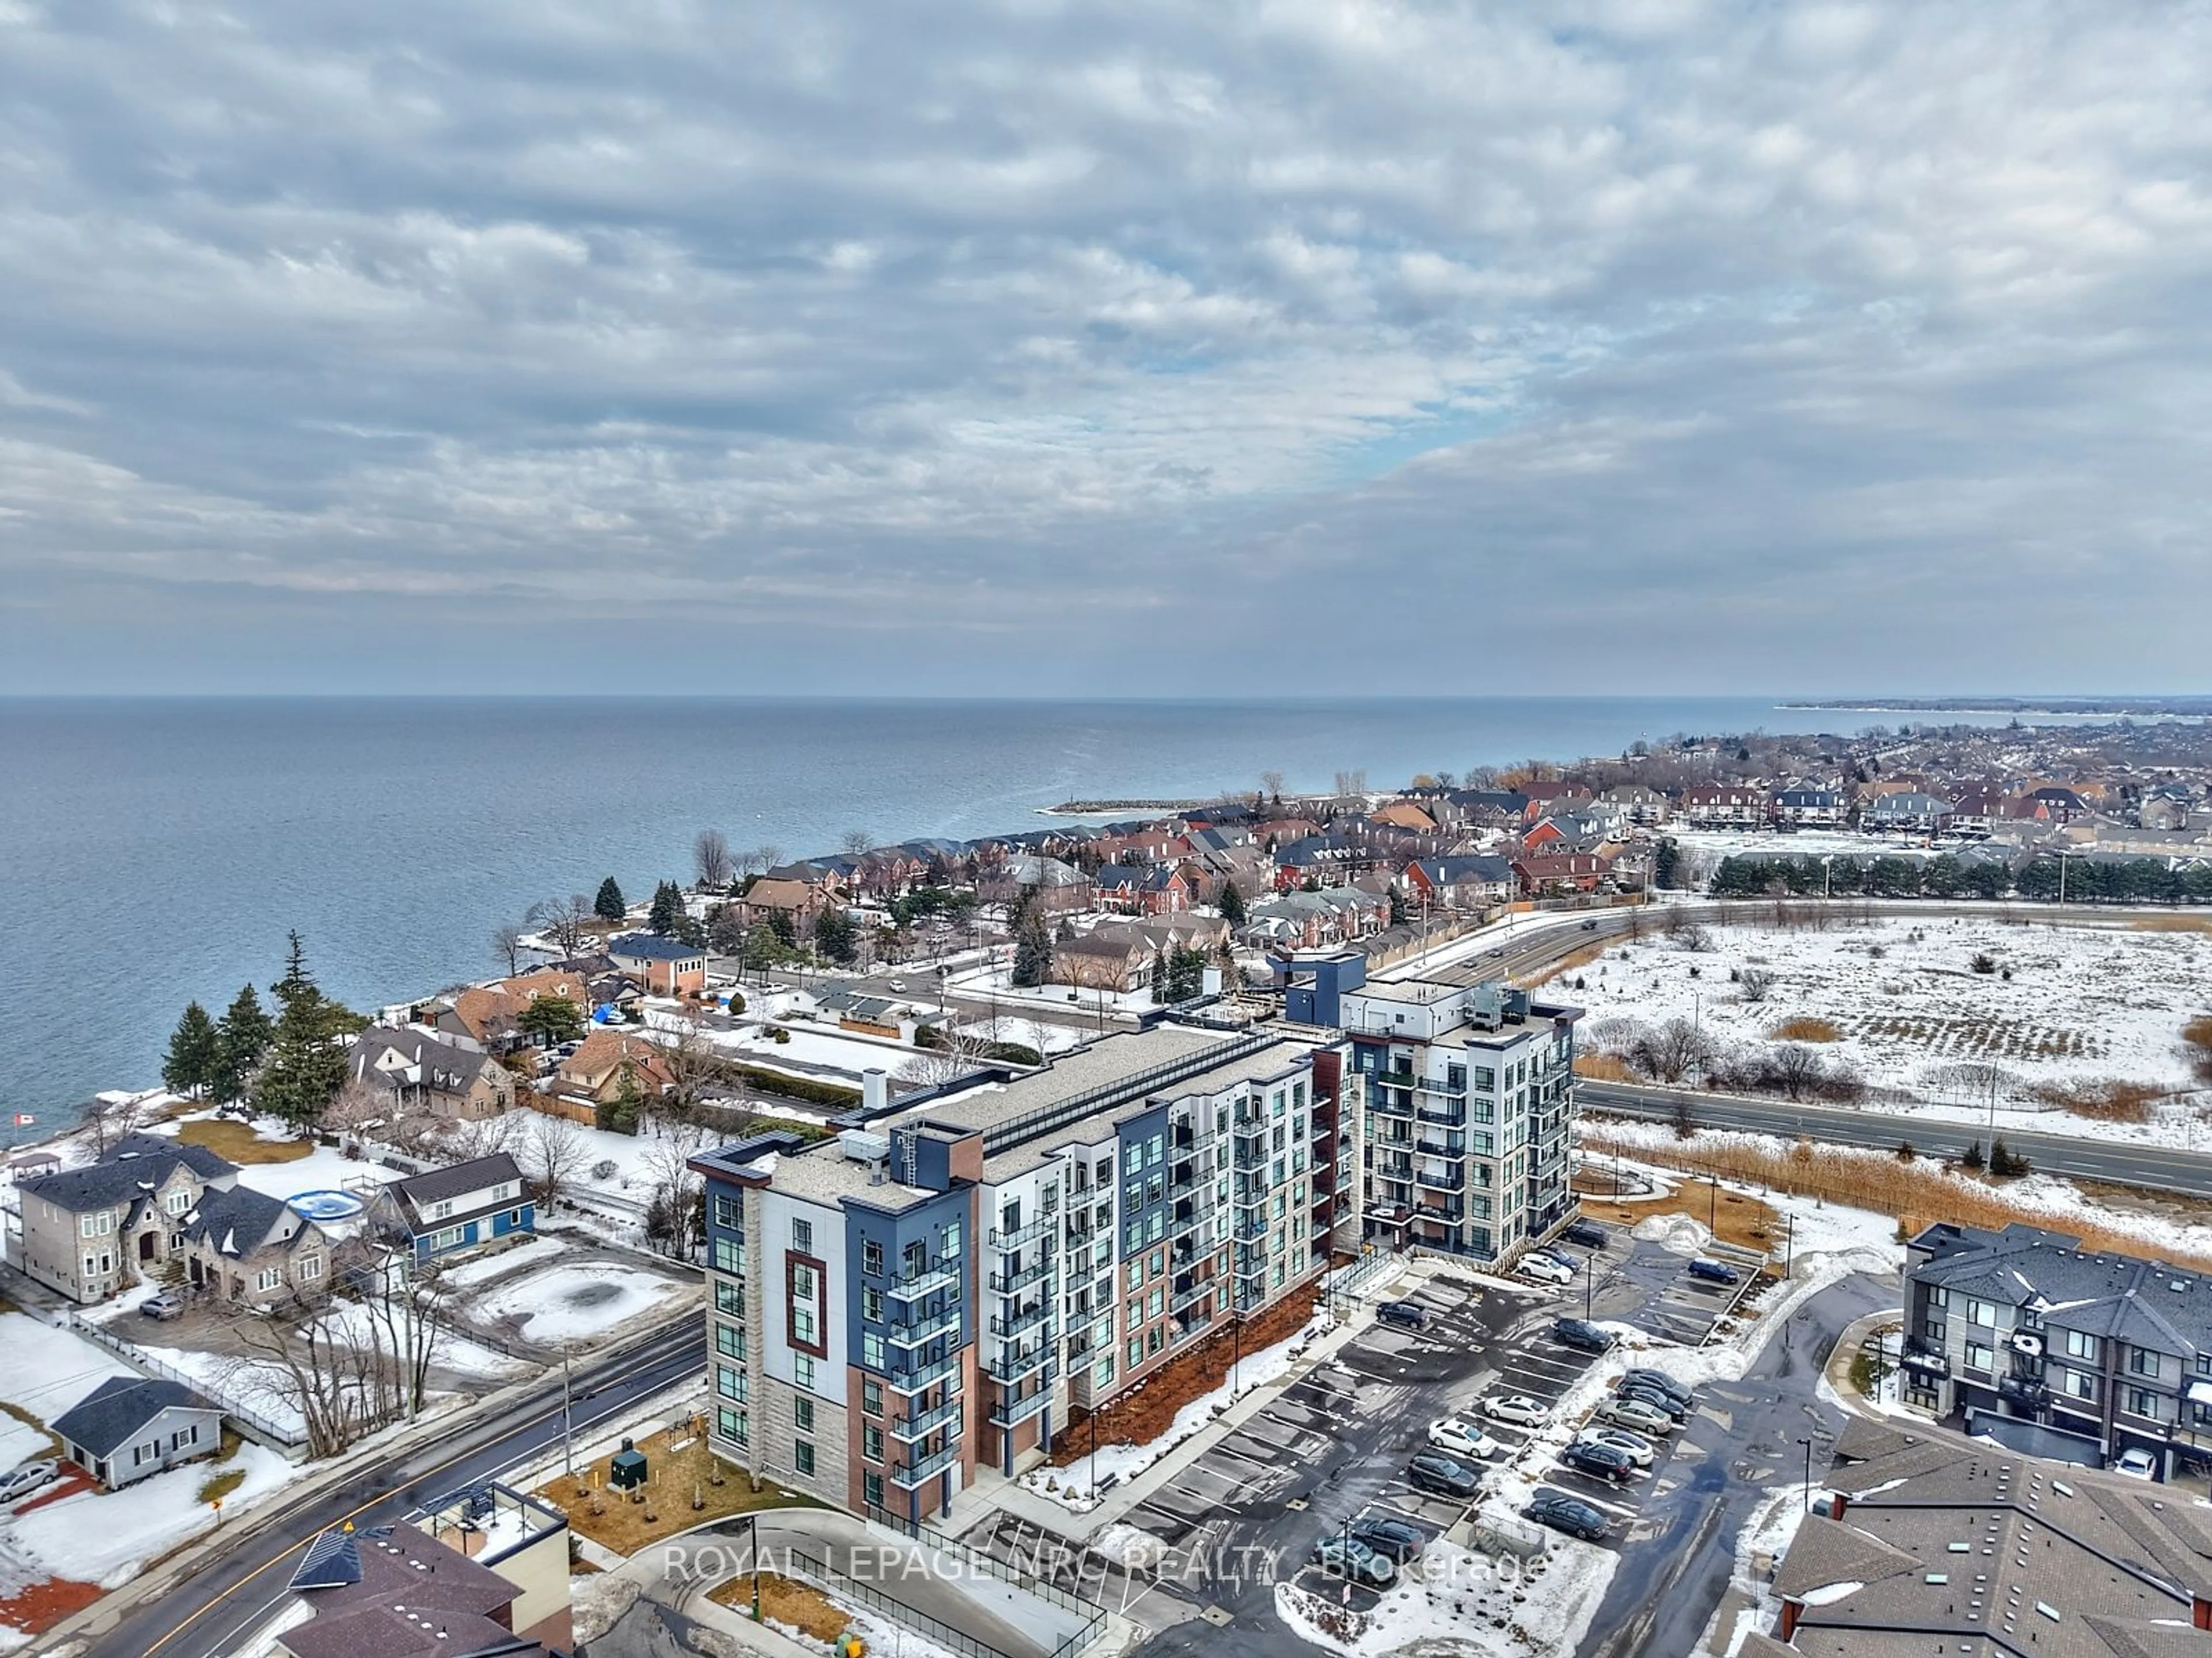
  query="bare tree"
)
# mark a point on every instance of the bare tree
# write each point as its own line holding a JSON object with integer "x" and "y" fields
{"x": 858, "y": 841}
{"x": 959, "y": 1054}
{"x": 1672, "y": 1051}
{"x": 507, "y": 944}
{"x": 566, "y": 922}
{"x": 558, "y": 1154}
{"x": 710, "y": 860}
{"x": 1271, "y": 784}
{"x": 105, "y": 1121}
{"x": 355, "y": 1109}
{"x": 1796, "y": 1068}
{"x": 1755, "y": 985}
{"x": 770, "y": 854}
{"x": 675, "y": 1184}
{"x": 746, "y": 861}
{"x": 695, "y": 1064}
{"x": 467, "y": 1138}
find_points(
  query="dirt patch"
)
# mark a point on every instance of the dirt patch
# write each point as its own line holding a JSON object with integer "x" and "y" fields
{"x": 786, "y": 1600}
{"x": 1142, "y": 1415}
{"x": 1567, "y": 963}
{"x": 680, "y": 1471}
{"x": 1736, "y": 1218}
{"x": 1978, "y": 1038}
{"x": 228, "y": 1138}
{"x": 1806, "y": 1030}
{"x": 42, "y": 1606}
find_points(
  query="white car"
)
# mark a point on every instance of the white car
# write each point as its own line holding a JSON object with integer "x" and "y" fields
{"x": 898, "y": 984}
{"x": 21, "y": 1482}
{"x": 1544, "y": 1269}
{"x": 1460, "y": 1437}
{"x": 1635, "y": 1447}
{"x": 2136, "y": 1464}
{"x": 1517, "y": 1407}
{"x": 1635, "y": 1415}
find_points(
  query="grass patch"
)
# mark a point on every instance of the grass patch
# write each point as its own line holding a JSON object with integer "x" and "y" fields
{"x": 1737, "y": 1217}
{"x": 217, "y": 1487}
{"x": 2105, "y": 1099}
{"x": 1917, "y": 1192}
{"x": 1603, "y": 1068}
{"x": 2172, "y": 924}
{"x": 680, "y": 1471}
{"x": 228, "y": 1138}
{"x": 1805, "y": 1029}
{"x": 1566, "y": 963}
{"x": 788, "y": 1601}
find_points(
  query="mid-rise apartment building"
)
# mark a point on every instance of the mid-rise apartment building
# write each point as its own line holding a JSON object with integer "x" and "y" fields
{"x": 2113, "y": 1351}
{"x": 1469, "y": 1106}
{"x": 929, "y": 1298}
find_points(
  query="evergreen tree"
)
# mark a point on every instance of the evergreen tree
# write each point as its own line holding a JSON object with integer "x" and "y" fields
{"x": 194, "y": 1053}
{"x": 1667, "y": 863}
{"x": 1972, "y": 1158}
{"x": 1160, "y": 975}
{"x": 307, "y": 1064}
{"x": 609, "y": 906}
{"x": 240, "y": 1041}
{"x": 833, "y": 934}
{"x": 1397, "y": 907}
{"x": 1232, "y": 905}
{"x": 1032, "y": 949}
{"x": 667, "y": 909}
{"x": 552, "y": 1019}
{"x": 781, "y": 928}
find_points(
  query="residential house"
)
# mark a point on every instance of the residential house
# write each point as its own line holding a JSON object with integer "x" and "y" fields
{"x": 1158, "y": 890}
{"x": 1109, "y": 958}
{"x": 2050, "y": 805}
{"x": 1639, "y": 804}
{"x": 1804, "y": 807}
{"x": 417, "y": 1072}
{"x": 607, "y": 1062}
{"x": 1330, "y": 858}
{"x": 131, "y": 1427}
{"x": 89, "y": 1232}
{"x": 664, "y": 967}
{"x": 1978, "y": 807}
{"x": 455, "y": 1211}
{"x": 1461, "y": 885}
{"x": 2112, "y": 1351}
{"x": 1545, "y": 875}
{"x": 248, "y": 1248}
{"x": 395, "y": 1591}
{"x": 1308, "y": 920}
{"x": 1407, "y": 815}
{"x": 797, "y": 902}
{"x": 1724, "y": 805}
{"x": 487, "y": 1014}
{"x": 1207, "y": 935}
{"x": 524, "y": 1539}
{"x": 1910, "y": 812}
{"x": 1046, "y": 884}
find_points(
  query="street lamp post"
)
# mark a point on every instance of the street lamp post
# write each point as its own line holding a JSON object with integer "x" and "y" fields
{"x": 1807, "y": 1444}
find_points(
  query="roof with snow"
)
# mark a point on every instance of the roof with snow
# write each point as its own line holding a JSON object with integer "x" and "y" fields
{"x": 238, "y": 1220}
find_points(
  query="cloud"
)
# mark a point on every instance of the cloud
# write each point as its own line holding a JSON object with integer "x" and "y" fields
{"x": 1846, "y": 345}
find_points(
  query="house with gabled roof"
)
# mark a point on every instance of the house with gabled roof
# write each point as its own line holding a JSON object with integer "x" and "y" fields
{"x": 253, "y": 1249}
{"x": 89, "y": 1232}
{"x": 131, "y": 1427}
{"x": 457, "y": 1210}
{"x": 663, "y": 966}
{"x": 413, "y": 1070}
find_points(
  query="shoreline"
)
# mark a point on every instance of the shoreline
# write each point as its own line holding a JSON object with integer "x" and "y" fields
{"x": 2026, "y": 710}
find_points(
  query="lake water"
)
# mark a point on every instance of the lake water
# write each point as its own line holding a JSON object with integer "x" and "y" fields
{"x": 156, "y": 851}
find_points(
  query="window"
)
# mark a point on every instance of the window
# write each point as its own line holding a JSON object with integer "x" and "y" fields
{"x": 728, "y": 1341}
{"x": 2080, "y": 1384}
{"x": 1486, "y": 1078}
{"x": 802, "y": 1370}
{"x": 726, "y": 1298}
{"x": 1158, "y": 1264}
{"x": 872, "y": 1396}
{"x": 871, "y": 1350}
{"x": 268, "y": 1277}
{"x": 802, "y": 1235}
{"x": 802, "y": 1415}
{"x": 2143, "y": 1362}
{"x": 1102, "y": 1372}
{"x": 802, "y": 1456}
{"x": 802, "y": 1323}
{"x": 730, "y": 1424}
{"x": 729, "y": 1256}
{"x": 2081, "y": 1345}
{"x": 1136, "y": 1352}
{"x": 872, "y": 1304}
{"x": 872, "y": 1443}
{"x": 948, "y": 1238}
{"x": 2142, "y": 1402}
{"x": 871, "y": 1489}
{"x": 872, "y": 1258}
{"x": 311, "y": 1267}
{"x": 1938, "y": 1295}
{"x": 1978, "y": 1355}
{"x": 729, "y": 1382}
{"x": 178, "y": 1202}
{"x": 1153, "y": 1304}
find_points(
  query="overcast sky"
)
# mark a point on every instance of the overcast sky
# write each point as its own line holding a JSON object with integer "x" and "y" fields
{"x": 1133, "y": 348}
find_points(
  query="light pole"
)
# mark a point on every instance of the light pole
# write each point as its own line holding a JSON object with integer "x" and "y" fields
{"x": 1807, "y": 1444}
{"x": 1827, "y": 869}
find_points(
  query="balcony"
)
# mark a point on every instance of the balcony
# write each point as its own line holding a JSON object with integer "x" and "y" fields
{"x": 1452, "y": 1213}
{"x": 1391, "y": 1105}
{"x": 1027, "y": 1319}
{"x": 1249, "y": 1231}
{"x": 1246, "y": 1163}
{"x": 1393, "y": 1079}
{"x": 2023, "y": 1390}
{"x": 1190, "y": 1294}
{"x": 1400, "y": 1168}
{"x": 914, "y": 1473}
{"x": 909, "y": 1285}
{"x": 926, "y": 1328}
{"x": 1450, "y": 1117}
{"x": 1917, "y": 1356}
{"x": 916, "y": 1425}
{"x": 1446, "y": 1179}
{"x": 920, "y": 1377}
{"x": 1021, "y": 1235}
{"x": 1429, "y": 1147}
{"x": 1014, "y": 1368}
{"x": 1037, "y": 1272}
{"x": 1015, "y": 1410}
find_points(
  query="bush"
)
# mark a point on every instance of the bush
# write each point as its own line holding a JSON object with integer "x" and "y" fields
{"x": 605, "y": 1169}
{"x": 795, "y": 1088}
{"x": 1904, "y": 1152}
{"x": 737, "y": 1003}
{"x": 1983, "y": 964}
{"x": 1972, "y": 1157}
{"x": 2006, "y": 1163}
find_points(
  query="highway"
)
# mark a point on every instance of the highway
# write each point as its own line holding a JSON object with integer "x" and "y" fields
{"x": 210, "y": 1613}
{"x": 2158, "y": 1168}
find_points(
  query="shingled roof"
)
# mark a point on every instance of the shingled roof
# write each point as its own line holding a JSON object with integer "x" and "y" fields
{"x": 107, "y": 1418}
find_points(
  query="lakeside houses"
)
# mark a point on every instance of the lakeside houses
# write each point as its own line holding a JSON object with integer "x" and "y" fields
{"x": 663, "y": 966}
{"x": 411, "y": 1071}
{"x": 129, "y": 1428}
{"x": 932, "y": 1299}
{"x": 253, "y": 1250}
{"x": 457, "y": 1210}
{"x": 89, "y": 1232}
{"x": 487, "y": 1015}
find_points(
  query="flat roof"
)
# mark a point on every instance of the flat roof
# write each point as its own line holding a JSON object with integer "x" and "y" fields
{"x": 1105, "y": 1062}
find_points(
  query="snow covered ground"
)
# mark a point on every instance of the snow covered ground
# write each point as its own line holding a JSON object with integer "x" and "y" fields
{"x": 48, "y": 1370}
{"x": 998, "y": 981}
{"x": 2082, "y": 1003}
{"x": 1453, "y": 1599}
{"x": 565, "y": 1305}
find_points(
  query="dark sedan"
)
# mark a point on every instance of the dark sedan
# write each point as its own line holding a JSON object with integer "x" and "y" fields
{"x": 1564, "y": 1514}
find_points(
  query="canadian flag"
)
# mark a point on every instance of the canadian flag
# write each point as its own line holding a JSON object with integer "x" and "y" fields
{"x": 24, "y": 1119}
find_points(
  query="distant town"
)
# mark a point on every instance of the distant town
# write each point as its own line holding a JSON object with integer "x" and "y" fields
{"x": 1652, "y": 1204}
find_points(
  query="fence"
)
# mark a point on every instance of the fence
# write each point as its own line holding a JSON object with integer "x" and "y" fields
{"x": 1006, "y": 1571}
{"x": 249, "y": 1422}
{"x": 843, "y": 1587}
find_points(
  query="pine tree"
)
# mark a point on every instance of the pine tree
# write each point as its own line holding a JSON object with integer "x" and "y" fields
{"x": 240, "y": 1041}
{"x": 1160, "y": 975}
{"x": 1232, "y": 905}
{"x": 609, "y": 906}
{"x": 833, "y": 934}
{"x": 667, "y": 909}
{"x": 306, "y": 1063}
{"x": 1397, "y": 907}
{"x": 1032, "y": 949}
{"x": 1972, "y": 1157}
{"x": 194, "y": 1053}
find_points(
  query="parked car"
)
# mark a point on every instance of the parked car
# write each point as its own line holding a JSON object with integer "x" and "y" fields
{"x": 1409, "y": 1313}
{"x": 1714, "y": 1272}
{"x": 1544, "y": 1269}
{"x": 1587, "y": 1233}
{"x": 1645, "y": 1375}
{"x": 2136, "y": 1464}
{"x": 1342, "y": 1556}
{"x": 1564, "y": 1513}
{"x": 1456, "y": 1436}
{"x": 1580, "y": 1332}
{"x": 1588, "y": 1456}
{"x": 22, "y": 1481}
{"x": 1665, "y": 1404}
{"x": 1393, "y": 1539}
{"x": 1432, "y": 1471}
{"x": 1516, "y": 1407}
{"x": 1626, "y": 1410}
{"x": 1633, "y": 1446}
{"x": 163, "y": 1307}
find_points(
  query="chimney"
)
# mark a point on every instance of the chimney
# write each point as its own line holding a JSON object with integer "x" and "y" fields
{"x": 875, "y": 1091}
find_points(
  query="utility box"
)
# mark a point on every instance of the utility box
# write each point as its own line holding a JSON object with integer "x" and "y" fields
{"x": 626, "y": 1470}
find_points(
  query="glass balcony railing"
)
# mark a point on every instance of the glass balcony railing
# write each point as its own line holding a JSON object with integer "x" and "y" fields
{"x": 919, "y": 1423}
{"x": 914, "y": 1473}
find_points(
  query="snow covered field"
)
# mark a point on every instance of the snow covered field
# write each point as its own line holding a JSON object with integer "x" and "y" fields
{"x": 2081, "y": 1002}
{"x": 564, "y": 1305}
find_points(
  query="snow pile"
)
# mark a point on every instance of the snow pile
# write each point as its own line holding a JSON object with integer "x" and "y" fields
{"x": 1127, "y": 1545}
{"x": 1677, "y": 1234}
{"x": 1480, "y": 1604}
{"x": 48, "y": 1369}
{"x": 474, "y": 1275}
{"x": 1766, "y": 1536}
{"x": 105, "y": 1537}
{"x": 1073, "y": 1485}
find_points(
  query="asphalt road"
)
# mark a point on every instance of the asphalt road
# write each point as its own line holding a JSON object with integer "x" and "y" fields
{"x": 210, "y": 1613}
{"x": 2158, "y": 1168}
